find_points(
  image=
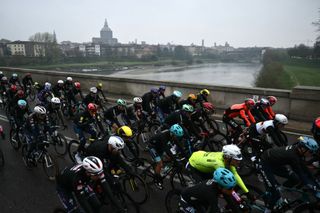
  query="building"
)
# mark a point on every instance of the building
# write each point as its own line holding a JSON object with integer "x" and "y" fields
{"x": 90, "y": 49}
{"x": 26, "y": 48}
{"x": 106, "y": 36}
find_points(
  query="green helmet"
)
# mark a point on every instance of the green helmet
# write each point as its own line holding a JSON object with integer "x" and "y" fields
{"x": 177, "y": 130}
{"x": 121, "y": 102}
{"x": 187, "y": 107}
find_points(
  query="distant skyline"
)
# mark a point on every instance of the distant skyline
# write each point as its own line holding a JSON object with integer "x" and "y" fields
{"x": 242, "y": 23}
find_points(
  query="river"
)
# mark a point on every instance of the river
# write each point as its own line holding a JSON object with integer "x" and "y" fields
{"x": 234, "y": 74}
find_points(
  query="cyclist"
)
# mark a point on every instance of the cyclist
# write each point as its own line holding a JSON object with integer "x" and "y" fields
{"x": 259, "y": 110}
{"x": 20, "y": 113}
{"x": 58, "y": 89}
{"x": 168, "y": 105}
{"x": 92, "y": 97}
{"x": 242, "y": 111}
{"x": 165, "y": 141}
{"x": 316, "y": 130}
{"x": 100, "y": 91}
{"x": 14, "y": 80}
{"x": 37, "y": 124}
{"x": 162, "y": 90}
{"x": 45, "y": 95}
{"x": 275, "y": 161}
{"x": 27, "y": 81}
{"x": 4, "y": 84}
{"x": 115, "y": 114}
{"x": 84, "y": 122}
{"x": 11, "y": 92}
{"x": 1, "y": 75}
{"x": 38, "y": 86}
{"x": 71, "y": 92}
{"x": 202, "y": 96}
{"x": 74, "y": 186}
{"x": 149, "y": 101}
{"x": 136, "y": 112}
{"x": 202, "y": 164}
{"x": 68, "y": 86}
{"x": 191, "y": 100}
{"x": 205, "y": 195}
{"x": 54, "y": 112}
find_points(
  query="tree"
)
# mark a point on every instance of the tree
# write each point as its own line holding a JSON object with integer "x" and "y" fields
{"x": 181, "y": 53}
{"x": 317, "y": 24}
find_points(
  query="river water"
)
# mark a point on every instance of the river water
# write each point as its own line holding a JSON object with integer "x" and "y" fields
{"x": 234, "y": 74}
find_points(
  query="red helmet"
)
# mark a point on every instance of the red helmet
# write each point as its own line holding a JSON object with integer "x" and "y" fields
{"x": 249, "y": 102}
{"x": 92, "y": 107}
{"x": 20, "y": 93}
{"x": 13, "y": 88}
{"x": 272, "y": 100}
{"x": 317, "y": 122}
{"x": 28, "y": 74}
{"x": 77, "y": 85}
{"x": 208, "y": 106}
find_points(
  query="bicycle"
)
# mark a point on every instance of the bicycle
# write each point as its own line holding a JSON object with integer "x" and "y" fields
{"x": 17, "y": 136}
{"x": 2, "y": 161}
{"x": 30, "y": 92}
{"x": 40, "y": 155}
{"x": 59, "y": 141}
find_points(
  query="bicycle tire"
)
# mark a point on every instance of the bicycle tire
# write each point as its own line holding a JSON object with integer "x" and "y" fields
{"x": 49, "y": 166}
{"x": 2, "y": 161}
{"x": 154, "y": 128}
{"x": 60, "y": 145}
{"x": 184, "y": 180}
{"x": 136, "y": 189}
{"x": 72, "y": 149}
{"x": 14, "y": 139}
{"x": 172, "y": 201}
{"x": 24, "y": 151}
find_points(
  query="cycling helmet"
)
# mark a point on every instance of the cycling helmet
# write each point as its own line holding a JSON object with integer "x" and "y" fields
{"x": 20, "y": 93}
{"x": 47, "y": 86}
{"x": 249, "y": 102}
{"x": 36, "y": 83}
{"x": 280, "y": 118}
{"x": 177, "y": 94}
{"x": 14, "y": 75}
{"x": 187, "y": 107}
{"x": 99, "y": 85}
{"x": 13, "y": 88}
{"x": 154, "y": 90}
{"x": 125, "y": 131}
{"x": 60, "y": 82}
{"x": 192, "y": 97}
{"x": 121, "y": 102}
{"x": 77, "y": 85}
{"x": 69, "y": 79}
{"x": 55, "y": 100}
{"x": 308, "y": 143}
{"x": 116, "y": 142}
{"x": 92, "y": 107}
{"x": 177, "y": 130}
{"x": 137, "y": 100}
{"x": 232, "y": 151}
{"x": 162, "y": 88}
{"x": 317, "y": 122}
{"x": 28, "y": 74}
{"x": 1, "y": 73}
{"x": 22, "y": 103}
{"x": 40, "y": 110}
{"x": 264, "y": 102}
{"x": 208, "y": 106}
{"x": 4, "y": 78}
{"x": 205, "y": 92}
{"x": 272, "y": 100}
{"x": 224, "y": 178}
{"x": 92, "y": 165}
{"x": 93, "y": 90}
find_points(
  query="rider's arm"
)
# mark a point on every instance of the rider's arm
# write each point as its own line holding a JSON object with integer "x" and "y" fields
{"x": 278, "y": 141}
{"x": 244, "y": 117}
{"x": 240, "y": 182}
{"x": 251, "y": 118}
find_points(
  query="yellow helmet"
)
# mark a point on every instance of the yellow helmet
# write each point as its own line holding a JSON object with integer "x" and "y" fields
{"x": 125, "y": 131}
{"x": 99, "y": 85}
{"x": 205, "y": 92}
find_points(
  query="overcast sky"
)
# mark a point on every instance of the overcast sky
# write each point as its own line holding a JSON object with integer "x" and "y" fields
{"x": 243, "y": 23}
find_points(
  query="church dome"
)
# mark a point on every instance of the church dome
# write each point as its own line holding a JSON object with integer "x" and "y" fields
{"x": 106, "y": 27}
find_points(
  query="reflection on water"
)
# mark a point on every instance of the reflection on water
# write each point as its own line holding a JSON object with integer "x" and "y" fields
{"x": 235, "y": 74}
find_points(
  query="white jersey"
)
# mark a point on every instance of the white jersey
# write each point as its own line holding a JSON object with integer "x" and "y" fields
{"x": 263, "y": 125}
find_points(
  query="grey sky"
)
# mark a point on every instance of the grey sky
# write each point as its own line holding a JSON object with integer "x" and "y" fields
{"x": 276, "y": 23}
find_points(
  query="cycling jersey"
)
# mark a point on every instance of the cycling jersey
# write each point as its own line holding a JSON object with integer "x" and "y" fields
{"x": 58, "y": 90}
{"x": 112, "y": 115}
{"x": 148, "y": 102}
{"x": 259, "y": 113}
{"x": 207, "y": 162}
{"x": 27, "y": 80}
{"x": 91, "y": 99}
{"x": 242, "y": 111}
{"x": 168, "y": 104}
{"x": 268, "y": 110}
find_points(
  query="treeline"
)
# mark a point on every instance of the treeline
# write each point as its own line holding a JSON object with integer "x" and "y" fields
{"x": 303, "y": 51}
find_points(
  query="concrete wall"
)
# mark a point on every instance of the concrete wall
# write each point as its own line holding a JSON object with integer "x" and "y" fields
{"x": 302, "y": 103}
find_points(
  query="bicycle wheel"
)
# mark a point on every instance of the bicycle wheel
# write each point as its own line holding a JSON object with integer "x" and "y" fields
{"x": 154, "y": 128}
{"x": 1, "y": 158}
{"x": 60, "y": 144}
{"x": 172, "y": 201}
{"x": 14, "y": 139}
{"x": 49, "y": 166}
{"x": 24, "y": 152}
{"x": 130, "y": 151}
{"x": 72, "y": 149}
{"x": 136, "y": 189}
{"x": 178, "y": 180}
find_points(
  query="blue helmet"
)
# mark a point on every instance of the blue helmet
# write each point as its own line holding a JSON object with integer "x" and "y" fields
{"x": 47, "y": 86}
{"x": 154, "y": 90}
{"x": 162, "y": 88}
{"x": 177, "y": 130}
{"x": 224, "y": 178}
{"x": 177, "y": 94}
{"x": 21, "y": 103}
{"x": 308, "y": 143}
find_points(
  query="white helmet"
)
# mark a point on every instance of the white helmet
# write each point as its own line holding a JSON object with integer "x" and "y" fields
{"x": 40, "y": 110}
{"x": 93, "y": 90}
{"x": 137, "y": 100}
{"x": 60, "y": 82}
{"x": 69, "y": 79}
{"x": 1, "y": 72}
{"x": 92, "y": 164}
{"x": 232, "y": 151}
{"x": 47, "y": 86}
{"x": 55, "y": 100}
{"x": 116, "y": 142}
{"x": 280, "y": 118}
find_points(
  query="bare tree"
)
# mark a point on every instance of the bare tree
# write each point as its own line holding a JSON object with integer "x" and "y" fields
{"x": 317, "y": 24}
